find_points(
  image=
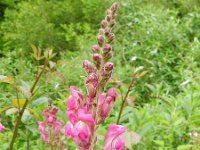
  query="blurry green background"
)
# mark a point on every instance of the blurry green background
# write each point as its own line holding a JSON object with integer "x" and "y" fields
{"x": 161, "y": 35}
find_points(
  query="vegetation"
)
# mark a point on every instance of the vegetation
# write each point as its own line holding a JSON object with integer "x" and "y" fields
{"x": 156, "y": 46}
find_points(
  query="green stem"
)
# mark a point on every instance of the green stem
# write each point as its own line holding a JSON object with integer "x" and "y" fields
{"x": 19, "y": 117}
{"x": 124, "y": 100}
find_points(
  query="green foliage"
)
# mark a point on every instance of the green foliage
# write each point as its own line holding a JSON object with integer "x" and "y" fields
{"x": 58, "y": 24}
{"x": 153, "y": 37}
{"x": 162, "y": 36}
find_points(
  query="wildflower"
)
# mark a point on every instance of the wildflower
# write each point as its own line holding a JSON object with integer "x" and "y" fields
{"x": 112, "y": 139}
{"x": 105, "y": 104}
{"x": 1, "y": 128}
{"x": 82, "y": 130}
{"x": 50, "y": 129}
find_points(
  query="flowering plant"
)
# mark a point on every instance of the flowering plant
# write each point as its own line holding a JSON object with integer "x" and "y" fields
{"x": 86, "y": 113}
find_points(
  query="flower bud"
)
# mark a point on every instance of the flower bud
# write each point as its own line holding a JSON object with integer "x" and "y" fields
{"x": 107, "y": 48}
{"x": 89, "y": 68}
{"x": 54, "y": 110}
{"x": 110, "y": 38}
{"x": 108, "y": 18}
{"x": 95, "y": 48}
{"x": 108, "y": 66}
{"x": 91, "y": 85}
{"x": 112, "y": 23}
{"x": 114, "y": 8}
{"x": 109, "y": 12}
{"x": 107, "y": 31}
{"x": 108, "y": 56}
{"x": 101, "y": 31}
{"x": 104, "y": 24}
{"x": 106, "y": 74}
{"x": 97, "y": 60}
{"x": 100, "y": 40}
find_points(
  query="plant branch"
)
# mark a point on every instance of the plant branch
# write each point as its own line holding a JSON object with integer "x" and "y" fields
{"x": 19, "y": 117}
{"x": 124, "y": 100}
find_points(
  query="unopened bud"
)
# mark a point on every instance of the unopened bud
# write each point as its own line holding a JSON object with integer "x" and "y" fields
{"x": 109, "y": 12}
{"x": 107, "y": 48}
{"x": 89, "y": 68}
{"x": 54, "y": 110}
{"x": 108, "y": 18}
{"x": 101, "y": 31}
{"x": 112, "y": 23}
{"x": 95, "y": 48}
{"x": 97, "y": 60}
{"x": 92, "y": 84}
{"x": 96, "y": 57}
{"x": 109, "y": 66}
{"x": 104, "y": 24}
{"x": 107, "y": 56}
{"x": 107, "y": 31}
{"x": 114, "y": 8}
{"x": 100, "y": 40}
{"x": 111, "y": 36}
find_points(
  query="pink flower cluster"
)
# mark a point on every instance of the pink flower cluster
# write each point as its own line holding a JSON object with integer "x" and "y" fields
{"x": 81, "y": 123}
{"x": 50, "y": 129}
{"x": 1, "y": 128}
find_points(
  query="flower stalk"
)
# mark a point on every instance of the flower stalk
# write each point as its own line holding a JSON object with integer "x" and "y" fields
{"x": 124, "y": 99}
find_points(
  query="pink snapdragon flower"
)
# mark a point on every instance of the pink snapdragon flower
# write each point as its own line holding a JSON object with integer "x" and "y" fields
{"x": 74, "y": 102}
{"x": 50, "y": 129}
{"x": 112, "y": 139}
{"x": 105, "y": 104}
{"x": 1, "y": 128}
{"x": 82, "y": 130}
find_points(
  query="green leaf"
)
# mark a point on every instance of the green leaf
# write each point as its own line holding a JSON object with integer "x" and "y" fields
{"x": 160, "y": 143}
{"x": 40, "y": 101}
{"x": 26, "y": 116}
{"x": 6, "y": 79}
{"x": 18, "y": 103}
{"x": 11, "y": 111}
{"x": 33, "y": 112}
{"x": 130, "y": 138}
{"x": 185, "y": 147}
{"x": 5, "y": 108}
{"x": 26, "y": 92}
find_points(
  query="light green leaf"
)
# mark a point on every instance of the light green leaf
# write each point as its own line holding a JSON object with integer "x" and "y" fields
{"x": 130, "y": 138}
{"x": 26, "y": 116}
{"x": 5, "y": 108}
{"x": 26, "y": 92}
{"x": 40, "y": 101}
{"x": 6, "y": 79}
{"x": 11, "y": 111}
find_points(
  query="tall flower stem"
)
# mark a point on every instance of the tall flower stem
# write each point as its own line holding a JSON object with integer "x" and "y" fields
{"x": 124, "y": 100}
{"x": 19, "y": 117}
